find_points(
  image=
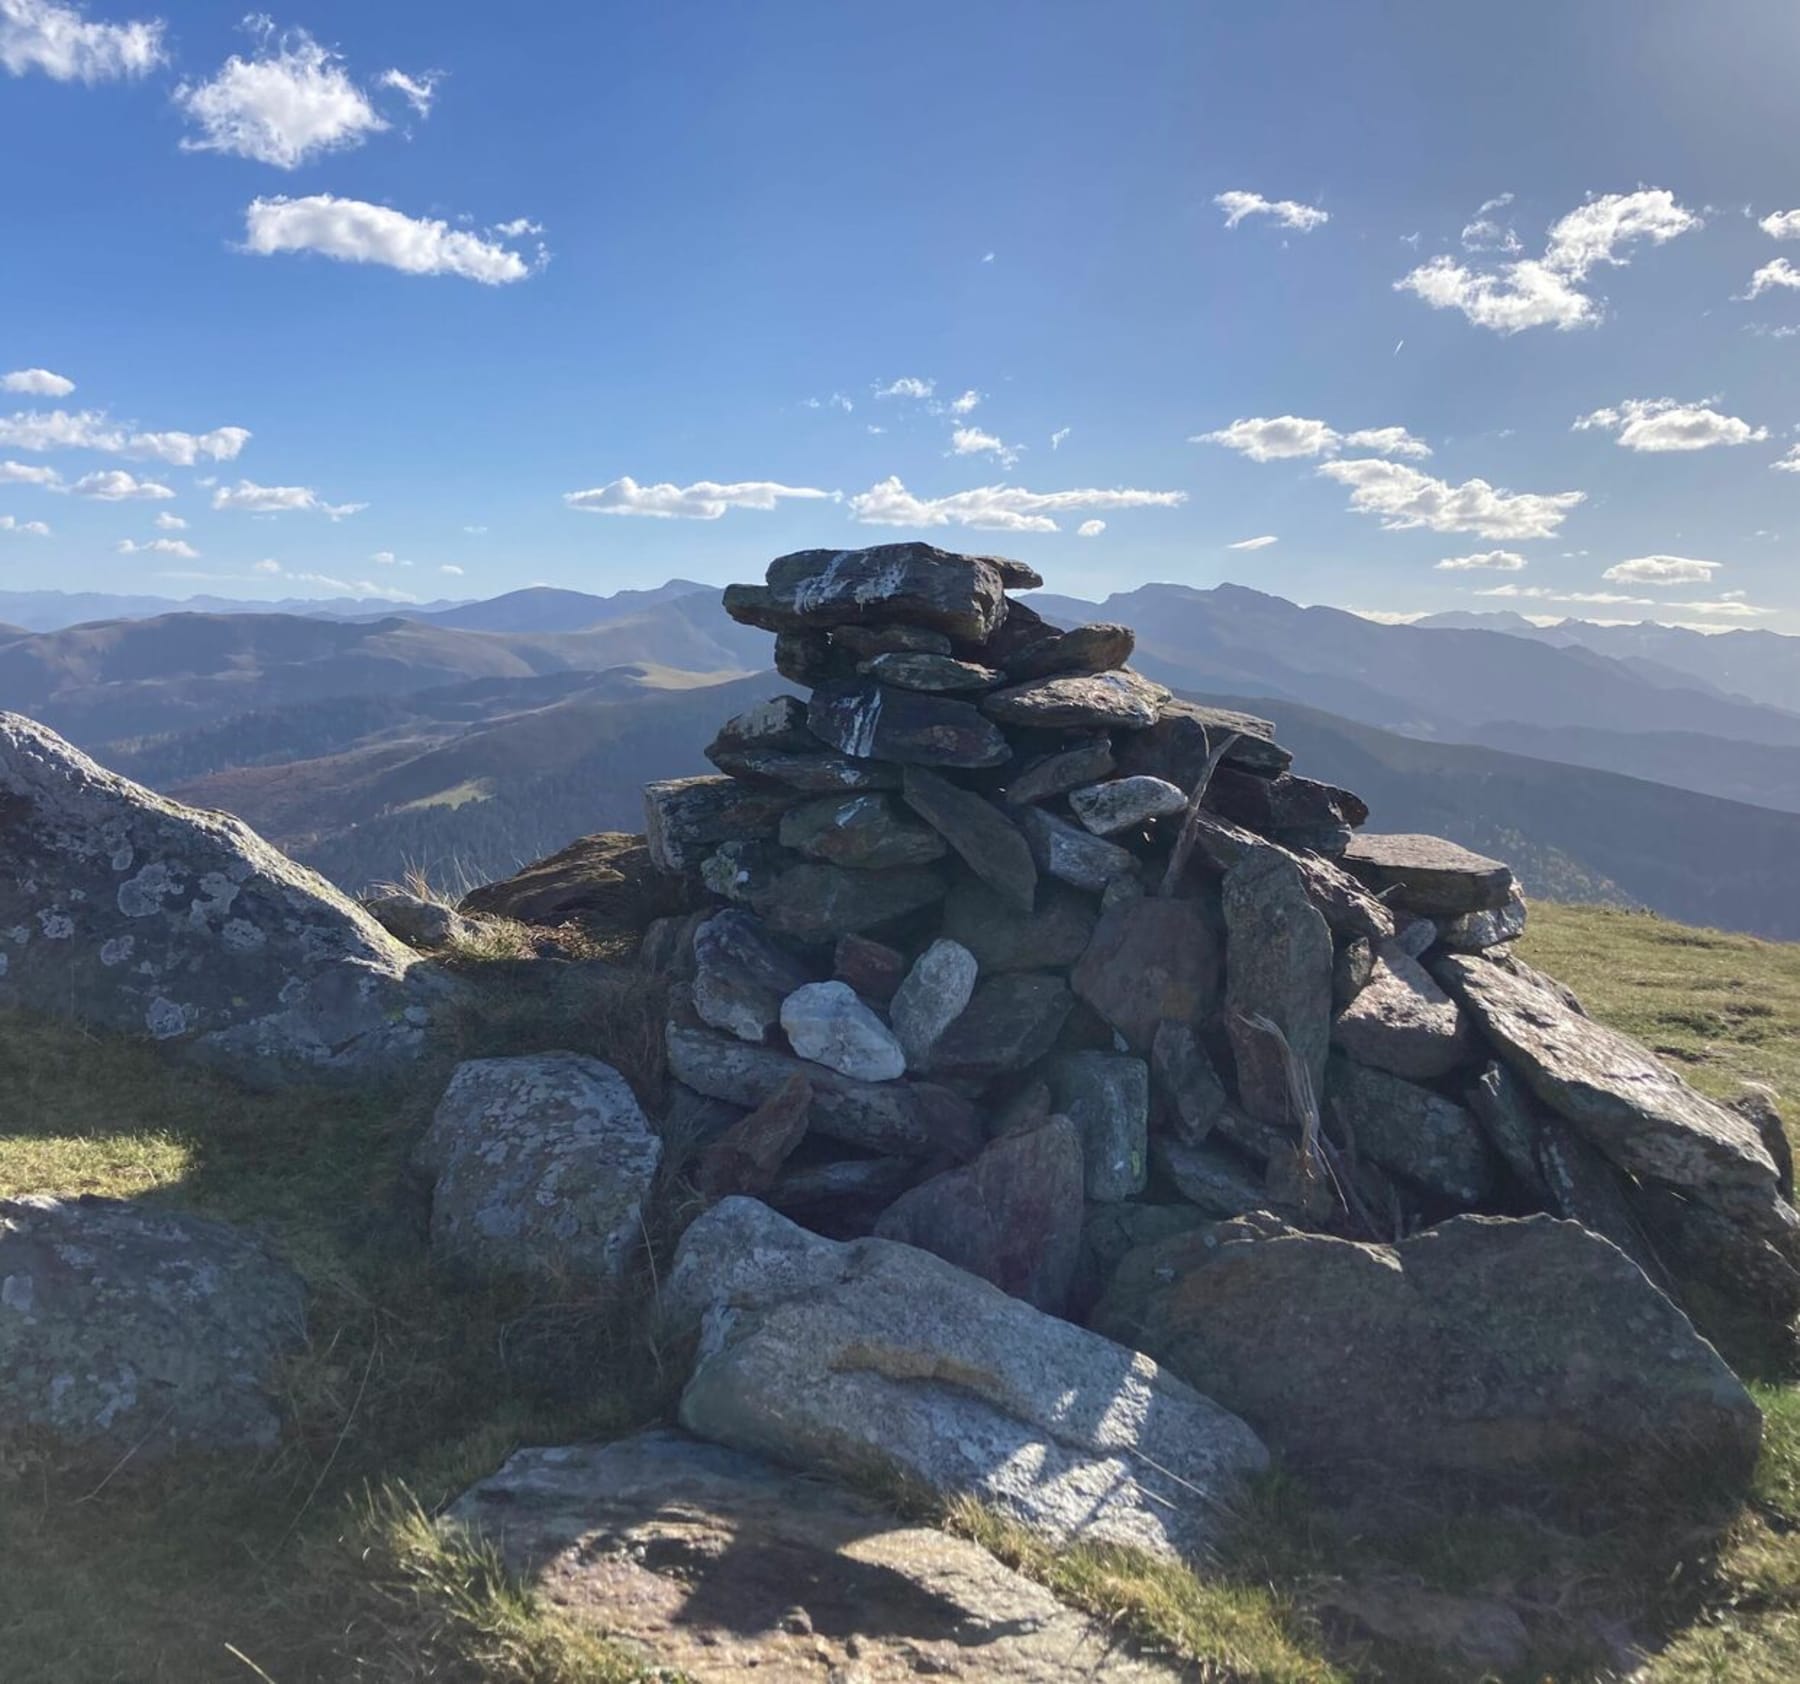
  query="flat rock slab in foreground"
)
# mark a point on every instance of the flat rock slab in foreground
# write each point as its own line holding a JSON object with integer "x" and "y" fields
{"x": 872, "y": 1356}
{"x": 130, "y": 912}
{"x": 719, "y": 1566}
{"x": 1516, "y": 1353}
{"x": 139, "y": 1329}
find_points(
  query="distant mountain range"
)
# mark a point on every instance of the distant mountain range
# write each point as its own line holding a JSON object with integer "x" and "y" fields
{"x": 471, "y": 737}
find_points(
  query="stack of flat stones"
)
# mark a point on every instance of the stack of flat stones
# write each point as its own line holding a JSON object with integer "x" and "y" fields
{"x": 975, "y": 972}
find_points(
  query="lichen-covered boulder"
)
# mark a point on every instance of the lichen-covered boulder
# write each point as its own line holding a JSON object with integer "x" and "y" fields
{"x": 128, "y": 1327}
{"x": 130, "y": 912}
{"x": 540, "y": 1166}
{"x": 1503, "y": 1352}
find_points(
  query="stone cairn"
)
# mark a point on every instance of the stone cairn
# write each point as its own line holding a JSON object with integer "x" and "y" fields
{"x": 1011, "y": 955}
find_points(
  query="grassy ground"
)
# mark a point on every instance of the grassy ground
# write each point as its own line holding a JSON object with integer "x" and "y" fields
{"x": 317, "y": 1563}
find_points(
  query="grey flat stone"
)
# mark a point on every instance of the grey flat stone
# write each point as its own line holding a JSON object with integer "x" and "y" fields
{"x": 841, "y": 1357}
{"x": 716, "y": 1566}
{"x": 990, "y": 844}
{"x": 933, "y": 996}
{"x": 1107, "y": 1097}
{"x": 1428, "y": 874}
{"x": 1124, "y": 803}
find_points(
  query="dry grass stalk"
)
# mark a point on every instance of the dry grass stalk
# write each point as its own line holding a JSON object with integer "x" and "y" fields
{"x": 1190, "y": 824}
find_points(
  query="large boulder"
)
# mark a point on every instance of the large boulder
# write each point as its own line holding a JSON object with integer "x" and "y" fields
{"x": 717, "y": 1566}
{"x": 131, "y": 1328}
{"x": 127, "y": 911}
{"x": 847, "y": 1358}
{"x": 1402, "y": 1022}
{"x": 540, "y": 1166}
{"x": 1522, "y": 1352}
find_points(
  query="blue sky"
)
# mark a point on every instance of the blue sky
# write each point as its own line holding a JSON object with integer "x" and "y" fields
{"x": 592, "y": 295}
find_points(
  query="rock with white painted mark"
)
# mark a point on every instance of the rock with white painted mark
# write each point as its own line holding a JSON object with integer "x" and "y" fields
{"x": 127, "y": 911}
{"x": 137, "y": 1329}
{"x": 868, "y": 831}
{"x": 909, "y": 584}
{"x": 686, "y": 818}
{"x": 1125, "y": 803}
{"x": 870, "y": 721}
{"x": 826, "y": 1024}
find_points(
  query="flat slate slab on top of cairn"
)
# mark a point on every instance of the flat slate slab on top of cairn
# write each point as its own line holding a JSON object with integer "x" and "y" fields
{"x": 1204, "y": 958}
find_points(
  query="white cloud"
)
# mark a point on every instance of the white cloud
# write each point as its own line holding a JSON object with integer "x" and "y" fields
{"x": 419, "y": 91}
{"x": 1484, "y": 233}
{"x": 1273, "y": 438}
{"x": 1499, "y": 561}
{"x": 962, "y": 405}
{"x": 90, "y": 429}
{"x": 20, "y": 473}
{"x": 291, "y": 102}
{"x": 350, "y": 587}
{"x": 1387, "y": 441}
{"x": 1288, "y": 213}
{"x": 1781, "y": 225}
{"x": 1000, "y": 508}
{"x": 703, "y": 500}
{"x": 37, "y": 382}
{"x": 1788, "y": 464}
{"x": 353, "y": 231}
{"x": 1056, "y": 438}
{"x": 31, "y": 528}
{"x": 987, "y": 257}
{"x": 1661, "y": 570}
{"x": 268, "y": 567}
{"x": 114, "y": 485}
{"x": 1664, "y": 424}
{"x": 476, "y": 531}
{"x": 452, "y": 569}
{"x": 1090, "y": 529}
{"x": 1267, "y": 439}
{"x": 1730, "y": 606}
{"x": 159, "y": 546}
{"x": 518, "y": 228}
{"x": 1543, "y": 593}
{"x": 1261, "y": 543}
{"x": 907, "y": 386}
{"x": 1545, "y": 291}
{"x": 385, "y": 558}
{"x": 250, "y": 498}
{"x": 166, "y": 522}
{"x": 1404, "y": 498}
{"x": 1780, "y": 273}
{"x": 972, "y": 441}
{"x": 58, "y": 40}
